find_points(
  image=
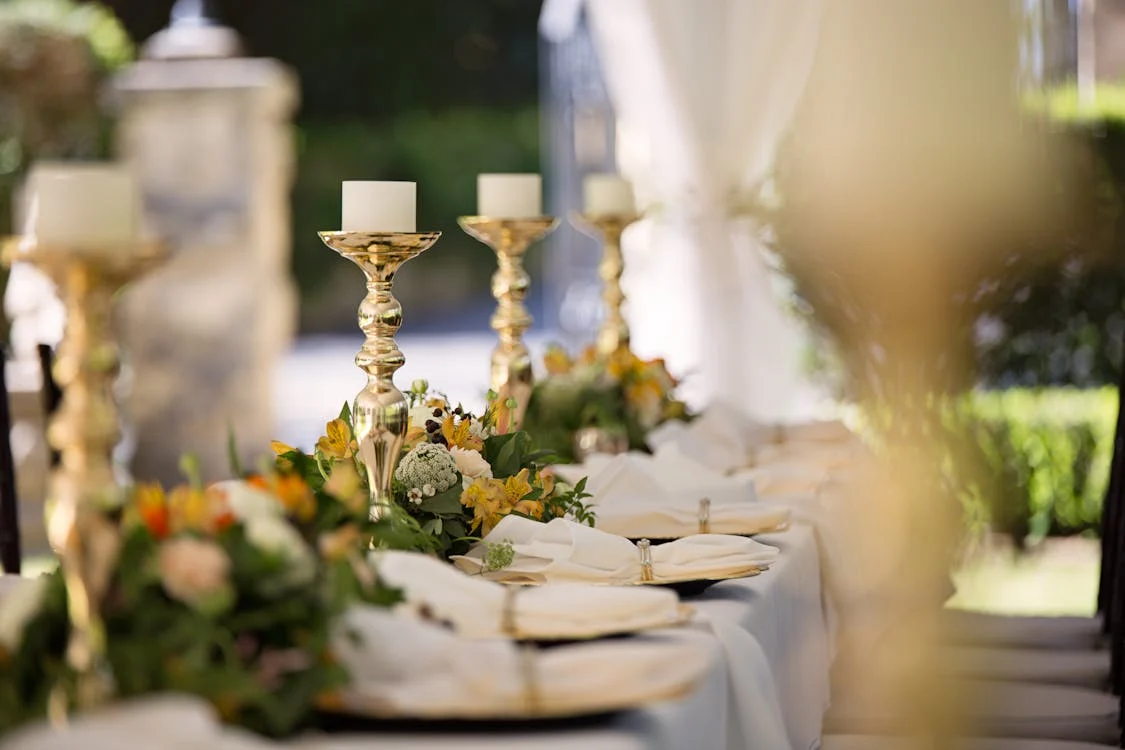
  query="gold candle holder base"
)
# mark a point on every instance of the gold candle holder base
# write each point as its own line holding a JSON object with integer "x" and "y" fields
{"x": 82, "y": 490}
{"x": 509, "y": 239}
{"x": 614, "y": 331}
{"x": 380, "y": 414}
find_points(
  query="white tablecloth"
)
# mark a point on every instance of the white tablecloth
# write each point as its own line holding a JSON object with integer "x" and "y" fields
{"x": 767, "y": 687}
{"x": 781, "y": 609}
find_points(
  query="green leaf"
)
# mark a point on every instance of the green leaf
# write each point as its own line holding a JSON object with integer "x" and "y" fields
{"x": 444, "y": 502}
{"x": 232, "y": 453}
{"x": 346, "y": 415}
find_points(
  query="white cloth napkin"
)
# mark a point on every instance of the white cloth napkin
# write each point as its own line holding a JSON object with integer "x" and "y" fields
{"x": 822, "y": 431}
{"x": 174, "y": 722}
{"x": 562, "y": 550}
{"x": 476, "y": 607}
{"x": 721, "y": 438}
{"x": 405, "y": 668}
{"x": 785, "y": 478}
{"x": 822, "y": 455}
{"x": 637, "y": 495}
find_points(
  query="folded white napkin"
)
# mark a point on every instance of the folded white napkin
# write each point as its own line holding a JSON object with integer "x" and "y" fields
{"x": 637, "y": 495}
{"x": 721, "y": 438}
{"x": 175, "y": 722}
{"x": 562, "y": 550}
{"x": 789, "y": 477}
{"x": 401, "y": 667}
{"x": 825, "y": 455}
{"x": 822, "y": 431}
{"x": 477, "y": 608}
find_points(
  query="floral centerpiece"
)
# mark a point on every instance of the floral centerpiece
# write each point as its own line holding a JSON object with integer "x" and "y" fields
{"x": 227, "y": 592}
{"x": 616, "y": 392}
{"x": 458, "y": 474}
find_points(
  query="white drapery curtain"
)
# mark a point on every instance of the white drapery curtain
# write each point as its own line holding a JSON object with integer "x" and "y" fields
{"x": 703, "y": 92}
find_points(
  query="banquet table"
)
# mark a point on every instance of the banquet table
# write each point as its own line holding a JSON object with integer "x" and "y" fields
{"x": 769, "y": 644}
{"x": 766, "y": 687}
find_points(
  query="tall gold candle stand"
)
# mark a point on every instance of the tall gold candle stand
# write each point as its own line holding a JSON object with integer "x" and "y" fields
{"x": 380, "y": 414}
{"x": 82, "y": 491}
{"x": 509, "y": 239}
{"x": 614, "y": 331}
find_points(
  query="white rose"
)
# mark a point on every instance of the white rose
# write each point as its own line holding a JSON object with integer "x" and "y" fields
{"x": 471, "y": 463}
{"x": 246, "y": 501}
{"x": 194, "y": 571}
{"x": 17, "y": 609}
{"x": 276, "y": 536}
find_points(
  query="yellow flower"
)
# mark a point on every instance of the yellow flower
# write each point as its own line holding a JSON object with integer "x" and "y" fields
{"x": 346, "y": 485}
{"x": 622, "y": 363}
{"x": 457, "y": 434}
{"x": 546, "y": 480}
{"x": 489, "y": 502}
{"x": 557, "y": 361}
{"x": 517, "y": 487}
{"x": 437, "y": 403}
{"x": 190, "y": 509}
{"x": 414, "y": 436}
{"x": 338, "y": 442}
{"x": 589, "y": 355}
{"x": 533, "y": 508}
{"x": 280, "y": 449}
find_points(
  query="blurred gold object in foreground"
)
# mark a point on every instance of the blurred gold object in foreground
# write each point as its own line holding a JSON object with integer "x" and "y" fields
{"x": 379, "y": 413}
{"x": 83, "y": 490}
{"x": 614, "y": 331}
{"x": 509, "y": 239}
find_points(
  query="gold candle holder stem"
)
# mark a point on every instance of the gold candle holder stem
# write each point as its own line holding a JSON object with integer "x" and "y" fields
{"x": 511, "y": 370}
{"x": 380, "y": 413}
{"x": 613, "y": 334}
{"x": 82, "y": 491}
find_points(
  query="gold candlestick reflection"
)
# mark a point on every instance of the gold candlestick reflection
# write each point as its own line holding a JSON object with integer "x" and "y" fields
{"x": 509, "y": 239}
{"x": 613, "y": 334}
{"x": 380, "y": 414}
{"x": 83, "y": 490}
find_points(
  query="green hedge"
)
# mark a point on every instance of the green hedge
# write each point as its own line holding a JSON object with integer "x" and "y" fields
{"x": 1033, "y": 463}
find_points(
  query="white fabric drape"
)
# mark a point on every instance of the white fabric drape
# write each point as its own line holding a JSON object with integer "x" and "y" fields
{"x": 703, "y": 91}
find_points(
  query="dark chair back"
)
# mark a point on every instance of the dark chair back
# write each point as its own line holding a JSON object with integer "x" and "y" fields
{"x": 1112, "y": 517}
{"x": 10, "y": 553}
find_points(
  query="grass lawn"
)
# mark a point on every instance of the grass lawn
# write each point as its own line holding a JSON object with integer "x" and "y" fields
{"x": 1057, "y": 577}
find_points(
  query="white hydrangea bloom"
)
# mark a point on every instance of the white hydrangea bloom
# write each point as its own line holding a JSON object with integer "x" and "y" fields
{"x": 428, "y": 463}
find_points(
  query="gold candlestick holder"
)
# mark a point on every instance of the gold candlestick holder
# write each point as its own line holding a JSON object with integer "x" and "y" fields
{"x": 509, "y": 239}
{"x": 613, "y": 334}
{"x": 380, "y": 414}
{"x": 83, "y": 492}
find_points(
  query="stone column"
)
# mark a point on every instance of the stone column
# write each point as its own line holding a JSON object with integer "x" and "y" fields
{"x": 209, "y": 136}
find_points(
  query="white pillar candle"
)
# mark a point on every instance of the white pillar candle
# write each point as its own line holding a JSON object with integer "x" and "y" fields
{"x": 378, "y": 206}
{"x": 82, "y": 205}
{"x": 608, "y": 194}
{"x": 509, "y": 196}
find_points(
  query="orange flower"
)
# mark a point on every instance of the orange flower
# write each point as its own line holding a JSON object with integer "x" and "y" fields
{"x": 152, "y": 509}
{"x": 457, "y": 434}
{"x": 501, "y": 410}
{"x": 291, "y": 491}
